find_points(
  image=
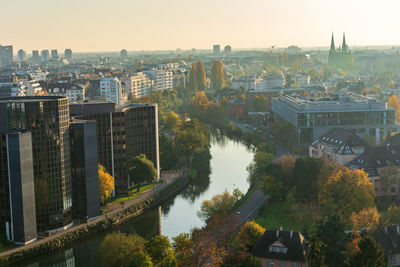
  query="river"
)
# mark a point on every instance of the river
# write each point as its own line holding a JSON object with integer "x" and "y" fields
{"x": 227, "y": 172}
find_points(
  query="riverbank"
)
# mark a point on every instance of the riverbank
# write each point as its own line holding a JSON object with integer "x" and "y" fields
{"x": 60, "y": 240}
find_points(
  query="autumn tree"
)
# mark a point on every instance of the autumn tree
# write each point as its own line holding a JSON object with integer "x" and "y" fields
{"x": 287, "y": 162}
{"x": 368, "y": 255}
{"x": 367, "y": 219}
{"x": 391, "y": 216}
{"x": 273, "y": 187}
{"x": 249, "y": 234}
{"x": 142, "y": 170}
{"x": 217, "y": 75}
{"x": 171, "y": 121}
{"x": 183, "y": 246}
{"x": 201, "y": 76}
{"x": 106, "y": 183}
{"x": 347, "y": 191}
{"x": 393, "y": 102}
{"x": 389, "y": 177}
{"x": 218, "y": 205}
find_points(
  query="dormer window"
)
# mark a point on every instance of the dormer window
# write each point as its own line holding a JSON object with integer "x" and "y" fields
{"x": 277, "y": 249}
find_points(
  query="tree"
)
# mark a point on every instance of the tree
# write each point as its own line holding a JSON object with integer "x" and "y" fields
{"x": 118, "y": 249}
{"x": 287, "y": 162}
{"x": 368, "y": 255}
{"x": 315, "y": 255}
{"x": 218, "y": 205}
{"x": 140, "y": 259}
{"x": 201, "y": 76}
{"x": 391, "y": 216}
{"x": 142, "y": 170}
{"x": 347, "y": 191}
{"x": 249, "y": 234}
{"x": 272, "y": 186}
{"x": 168, "y": 154}
{"x": 182, "y": 246}
{"x": 260, "y": 103}
{"x": 257, "y": 169}
{"x": 367, "y": 219}
{"x": 330, "y": 232}
{"x": 217, "y": 75}
{"x": 241, "y": 258}
{"x": 106, "y": 183}
{"x": 171, "y": 121}
{"x": 193, "y": 78}
{"x": 160, "y": 251}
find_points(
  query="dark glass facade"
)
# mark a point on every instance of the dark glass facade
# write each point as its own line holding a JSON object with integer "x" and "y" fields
{"x": 47, "y": 118}
{"x": 133, "y": 131}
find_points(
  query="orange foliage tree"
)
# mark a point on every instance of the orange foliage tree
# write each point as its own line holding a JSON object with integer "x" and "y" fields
{"x": 106, "y": 183}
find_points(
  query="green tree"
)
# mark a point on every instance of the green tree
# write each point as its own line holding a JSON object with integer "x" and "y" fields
{"x": 389, "y": 178}
{"x": 118, "y": 249}
{"x": 183, "y": 246}
{"x": 257, "y": 168}
{"x": 160, "y": 251}
{"x": 217, "y": 75}
{"x": 260, "y": 103}
{"x": 139, "y": 259}
{"x": 142, "y": 170}
{"x": 368, "y": 255}
{"x": 171, "y": 121}
{"x": 201, "y": 76}
{"x": 272, "y": 186}
{"x": 315, "y": 255}
{"x": 168, "y": 154}
{"x": 330, "y": 232}
{"x": 193, "y": 84}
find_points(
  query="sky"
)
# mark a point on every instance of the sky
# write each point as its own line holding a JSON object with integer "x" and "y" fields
{"x": 110, "y": 25}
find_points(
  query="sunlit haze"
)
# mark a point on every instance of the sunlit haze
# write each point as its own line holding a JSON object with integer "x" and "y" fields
{"x": 103, "y": 25}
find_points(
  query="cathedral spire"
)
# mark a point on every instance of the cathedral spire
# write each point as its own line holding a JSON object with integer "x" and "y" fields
{"x": 332, "y": 44}
{"x": 344, "y": 45}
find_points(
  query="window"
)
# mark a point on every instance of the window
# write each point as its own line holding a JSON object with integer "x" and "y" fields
{"x": 392, "y": 259}
{"x": 282, "y": 264}
{"x": 295, "y": 264}
{"x": 270, "y": 264}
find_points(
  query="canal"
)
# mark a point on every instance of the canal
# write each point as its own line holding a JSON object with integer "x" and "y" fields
{"x": 227, "y": 172}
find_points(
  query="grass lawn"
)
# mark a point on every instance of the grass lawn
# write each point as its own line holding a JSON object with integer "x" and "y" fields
{"x": 276, "y": 214}
{"x": 133, "y": 194}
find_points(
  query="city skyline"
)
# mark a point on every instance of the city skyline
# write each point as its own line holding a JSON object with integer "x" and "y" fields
{"x": 96, "y": 26}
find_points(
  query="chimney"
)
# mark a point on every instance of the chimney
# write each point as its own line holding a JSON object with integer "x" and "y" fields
{"x": 280, "y": 228}
{"x": 386, "y": 230}
{"x": 291, "y": 234}
{"x": 277, "y": 234}
{"x": 398, "y": 229}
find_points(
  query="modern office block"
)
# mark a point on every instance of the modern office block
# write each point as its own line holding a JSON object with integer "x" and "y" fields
{"x": 48, "y": 119}
{"x": 84, "y": 170}
{"x": 17, "y": 194}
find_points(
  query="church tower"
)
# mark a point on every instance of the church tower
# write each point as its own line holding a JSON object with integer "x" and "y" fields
{"x": 332, "y": 44}
{"x": 344, "y": 45}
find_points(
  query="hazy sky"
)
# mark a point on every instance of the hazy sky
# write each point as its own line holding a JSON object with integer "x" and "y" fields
{"x": 110, "y": 25}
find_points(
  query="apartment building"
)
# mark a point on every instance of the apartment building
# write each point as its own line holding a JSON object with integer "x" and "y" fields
{"x": 138, "y": 84}
{"x": 111, "y": 90}
{"x": 162, "y": 78}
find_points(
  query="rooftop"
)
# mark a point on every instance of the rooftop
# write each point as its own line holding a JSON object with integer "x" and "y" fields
{"x": 26, "y": 99}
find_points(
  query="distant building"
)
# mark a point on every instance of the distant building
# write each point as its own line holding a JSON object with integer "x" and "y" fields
{"x": 33, "y": 88}
{"x": 6, "y": 55}
{"x": 12, "y": 89}
{"x": 124, "y": 53}
{"x": 111, "y": 90}
{"x": 227, "y": 49}
{"x": 68, "y": 54}
{"x": 341, "y": 56}
{"x": 122, "y": 134}
{"x": 312, "y": 117}
{"x": 84, "y": 170}
{"x": 138, "y": 84}
{"x": 281, "y": 248}
{"x": 54, "y": 54}
{"x": 17, "y": 204}
{"x": 388, "y": 238}
{"x": 162, "y": 78}
{"x": 21, "y": 55}
{"x": 217, "y": 49}
{"x": 261, "y": 82}
{"x": 338, "y": 145}
{"x": 47, "y": 118}
{"x": 75, "y": 91}
{"x": 44, "y": 54}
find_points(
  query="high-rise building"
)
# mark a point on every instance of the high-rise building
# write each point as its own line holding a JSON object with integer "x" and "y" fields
{"x": 163, "y": 78}
{"x": 122, "y": 134}
{"x": 6, "y": 55}
{"x": 35, "y": 53}
{"x": 111, "y": 90}
{"x": 84, "y": 170}
{"x": 68, "y": 54}
{"x": 54, "y": 54}
{"x": 216, "y": 49}
{"x": 17, "y": 193}
{"x": 227, "y": 49}
{"x": 47, "y": 118}
{"x": 124, "y": 53}
{"x": 137, "y": 84}
{"x": 21, "y": 55}
{"x": 45, "y": 55}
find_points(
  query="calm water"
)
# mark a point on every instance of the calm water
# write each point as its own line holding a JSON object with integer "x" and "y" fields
{"x": 228, "y": 171}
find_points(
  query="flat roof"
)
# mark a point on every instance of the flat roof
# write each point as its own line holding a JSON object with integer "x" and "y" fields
{"x": 30, "y": 98}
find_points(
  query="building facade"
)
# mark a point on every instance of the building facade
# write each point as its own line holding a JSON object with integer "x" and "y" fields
{"x": 162, "y": 78}
{"x": 21, "y": 55}
{"x": 6, "y": 55}
{"x": 47, "y": 118}
{"x": 68, "y": 54}
{"x": 312, "y": 117}
{"x": 123, "y": 134}
{"x": 111, "y": 90}
{"x": 137, "y": 84}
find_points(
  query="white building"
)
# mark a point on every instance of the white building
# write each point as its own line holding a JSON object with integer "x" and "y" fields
{"x": 301, "y": 79}
{"x": 111, "y": 90}
{"x": 12, "y": 89}
{"x": 33, "y": 88}
{"x": 45, "y": 55}
{"x": 137, "y": 84}
{"x": 271, "y": 81}
{"x": 162, "y": 77}
{"x": 247, "y": 82}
